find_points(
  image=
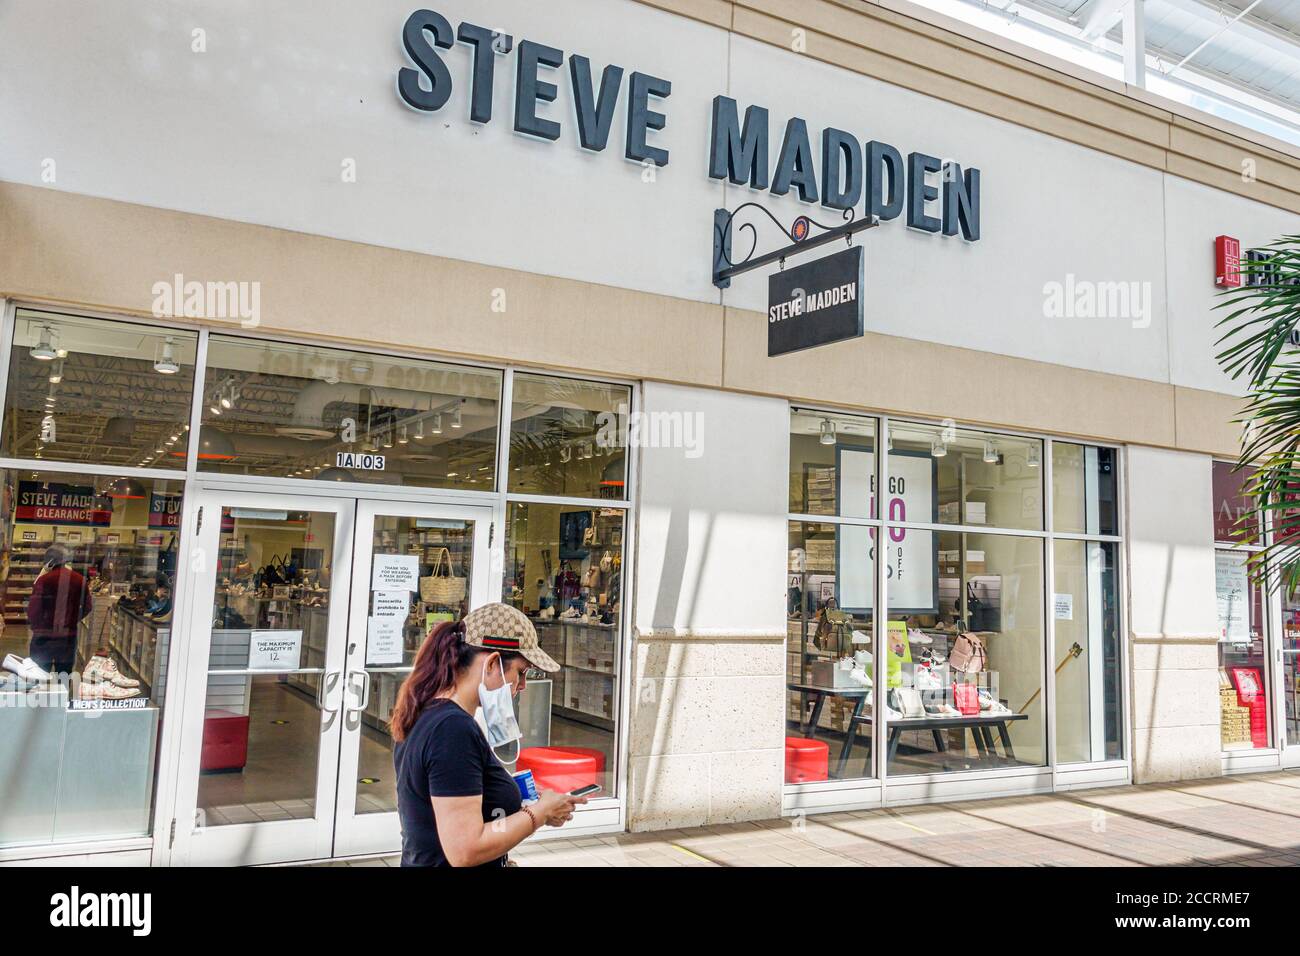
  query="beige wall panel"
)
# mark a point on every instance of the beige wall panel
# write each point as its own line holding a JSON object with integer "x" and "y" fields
{"x": 107, "y": 255}
{"x": 1206, "y": 421}
{"x": 715, "y": 12}
{"x": 917, "y": 378}
{"x": 1229, "y": 152}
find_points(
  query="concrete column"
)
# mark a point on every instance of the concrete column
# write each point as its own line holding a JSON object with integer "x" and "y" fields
{"x": 708, "y": 691}
{"x": 1173, "y": 649}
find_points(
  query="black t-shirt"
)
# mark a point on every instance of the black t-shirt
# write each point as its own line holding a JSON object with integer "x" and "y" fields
{"x": 446, "y": 755}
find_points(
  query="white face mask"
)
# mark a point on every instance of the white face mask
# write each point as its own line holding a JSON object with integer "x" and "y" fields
{"x": 498, "y": 712}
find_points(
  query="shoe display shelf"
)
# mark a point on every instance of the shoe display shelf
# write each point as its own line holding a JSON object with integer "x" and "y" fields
{"x": 585, "y": 688}
{"x": 138, "y": 643}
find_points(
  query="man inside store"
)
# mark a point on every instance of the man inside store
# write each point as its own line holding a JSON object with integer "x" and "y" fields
{"x": 60, "y": 599}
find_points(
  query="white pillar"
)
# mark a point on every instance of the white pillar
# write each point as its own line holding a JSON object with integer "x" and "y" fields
{"x": 1135, "y": 44}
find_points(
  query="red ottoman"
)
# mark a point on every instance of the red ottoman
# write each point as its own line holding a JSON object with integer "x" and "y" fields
{"x": 225, "y": 741}
{"x": 562, "y": 768}
{"x": 806, "y": 760}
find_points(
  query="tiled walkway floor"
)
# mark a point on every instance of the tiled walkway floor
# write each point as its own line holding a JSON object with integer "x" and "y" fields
{"x": 1251, "y": 820}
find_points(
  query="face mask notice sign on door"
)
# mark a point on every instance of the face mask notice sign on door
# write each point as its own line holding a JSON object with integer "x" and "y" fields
{"x": 395, "y": 572}
{"x": 384, "y": 641}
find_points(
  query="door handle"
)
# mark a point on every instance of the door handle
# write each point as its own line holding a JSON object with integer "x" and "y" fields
{"x": 365, "y": 690}
{"x": 323, "y": 692}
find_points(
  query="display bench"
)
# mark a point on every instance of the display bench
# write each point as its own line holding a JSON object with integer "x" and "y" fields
{"x": 584, "y": 688}
{"x": 74, "y": 774}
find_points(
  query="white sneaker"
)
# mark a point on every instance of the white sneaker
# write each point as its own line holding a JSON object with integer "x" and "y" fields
{"x": 546, "y": 614}
{"x": 25, "y": 667}
{"x": 925, "y": 679}
{"x": 859, "y": 676}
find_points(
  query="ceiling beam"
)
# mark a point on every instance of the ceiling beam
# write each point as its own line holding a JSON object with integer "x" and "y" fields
{"x": 1220, "y": 15}
{"x": 1100, "y": 17}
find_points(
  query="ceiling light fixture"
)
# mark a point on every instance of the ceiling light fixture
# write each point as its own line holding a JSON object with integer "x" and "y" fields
{"x": 167, "y": 364}
{"x": 419, "y": 430}
{"x": 455, "y": 417}
{"x": 44, "y": 349}
{"x": 56, "y": 372}
{"x": 437, "y": 423}
{"x": 1033, "y": 457}
{"x": 402, "y": 437}
{"x": 828, "y": 432}
{"x": 937, "y": 447}
{"x": 990, "y": 452}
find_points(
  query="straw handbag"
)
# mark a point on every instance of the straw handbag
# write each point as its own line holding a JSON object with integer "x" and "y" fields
{"x": 443, "y": 585}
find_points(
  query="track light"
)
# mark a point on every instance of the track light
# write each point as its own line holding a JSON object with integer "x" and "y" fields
{"x": 388, "y": 439}
{"x": 455, "y": 417}
{"x": 402, "y": 437}
{"x": 166, "y": 364}
{"x": 938, "y": 448}
{"x": 990, "y": 452}
{"x": 44, "y": 349}
{"x": 56, "y": 372}
{"x": 1033, "y": 457}
{"x": 419, "y": 430}
{"x": 229, "y": 395}
{"x": 437, "y": 423}
{"x": 828, "y": 432}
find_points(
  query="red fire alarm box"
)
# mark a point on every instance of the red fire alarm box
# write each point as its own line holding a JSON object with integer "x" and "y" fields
{"x": 1227, "y": 262}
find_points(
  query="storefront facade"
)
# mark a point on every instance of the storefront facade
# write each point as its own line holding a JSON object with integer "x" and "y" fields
{"x": 301, "y": 356}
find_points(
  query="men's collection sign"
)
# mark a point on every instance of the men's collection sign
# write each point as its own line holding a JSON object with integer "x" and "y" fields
{"x": 50, "y": 503}
{"x": 1232, "y": 587}
{"x": 815, "y": 303}
{"x": 851, "y": 170}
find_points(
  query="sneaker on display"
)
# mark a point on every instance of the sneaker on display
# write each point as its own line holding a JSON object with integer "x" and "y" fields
{"x": 859, "y": 676}
{"x": 925, "y": 679}
{"x": 106, "y": 691}
{"x": 24, "y": 667}
{"x": 103, "y": 669}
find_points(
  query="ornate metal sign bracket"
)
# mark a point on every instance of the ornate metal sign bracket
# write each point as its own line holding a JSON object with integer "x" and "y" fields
{"x": 799, "y": 234}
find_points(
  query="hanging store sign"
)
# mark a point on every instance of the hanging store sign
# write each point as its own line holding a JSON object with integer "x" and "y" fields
{"x": 50, "y": 503}
{"x": 165, "y": 511}
{"x": 815, "y": 303}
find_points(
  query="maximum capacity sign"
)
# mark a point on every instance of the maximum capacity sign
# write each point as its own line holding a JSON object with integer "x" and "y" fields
{"x": 815, "y": 303}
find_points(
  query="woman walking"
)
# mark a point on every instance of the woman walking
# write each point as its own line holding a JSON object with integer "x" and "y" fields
{"x": 458, "y": 804}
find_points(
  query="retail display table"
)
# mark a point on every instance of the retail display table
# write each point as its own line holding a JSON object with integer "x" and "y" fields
{"x": 981, "y": 727}
{"x": 818, "y": 694}
{"x": 981, "y": 730}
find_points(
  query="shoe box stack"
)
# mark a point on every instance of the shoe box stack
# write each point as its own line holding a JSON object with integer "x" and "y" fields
{"x": 592, "y": 648}
{"x": 1235, "y": 719}
{"x": 821, "y": 491}
{"x": 589, "y": 693}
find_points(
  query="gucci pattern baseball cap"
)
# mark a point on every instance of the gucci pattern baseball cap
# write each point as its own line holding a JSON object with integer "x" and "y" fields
{"x": 500, "y": 627}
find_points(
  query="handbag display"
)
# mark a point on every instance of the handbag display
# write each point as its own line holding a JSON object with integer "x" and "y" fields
{"x": 592, "y": 578}
{"x": 442, "y": 585}
{"x": 910, "y": 700}
{"x": 606, "y": 562}
{"x": 967, "y": 698}
{"x": 968, "y": 654}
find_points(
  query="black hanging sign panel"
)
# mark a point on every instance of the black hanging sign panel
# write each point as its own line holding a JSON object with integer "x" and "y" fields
{"x": 815, "y": 303}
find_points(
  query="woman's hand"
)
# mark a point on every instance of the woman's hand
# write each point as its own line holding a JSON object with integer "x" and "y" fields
{"x": 556, "y": 809}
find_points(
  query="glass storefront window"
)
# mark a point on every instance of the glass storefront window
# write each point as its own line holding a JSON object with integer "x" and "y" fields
{"x": 1236, "y": 518}
{"x": 1084, "y": 489}
{"x": 564, "y": 569}
{"x": 88, "y": 572}
{"x": 832, "y": 464}
{"x": 980, "y": 478}
{"x": 830, "y": 600}
{"x": 99, "y": 392}
{"x": 569, "y": 437}
{"x": 1291, "y": 663}
{"x": 1243, "y": 660}
{"x": 1085, "y": 608}
{"x": 300, "y": 411}
{"x": 969, "y": 642}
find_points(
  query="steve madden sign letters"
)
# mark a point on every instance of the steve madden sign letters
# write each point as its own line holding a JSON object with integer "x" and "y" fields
{"x": 851, "y": 171}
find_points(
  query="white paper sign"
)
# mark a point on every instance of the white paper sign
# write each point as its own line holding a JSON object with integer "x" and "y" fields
{"x": 384, "y": 641}
{"x": 1064, "y": 604}
{"x": 1231, "y": 588}
{"x": 391, "y": 604}
{"x": 274, "y": 650}
{"x": 910, "y": 553}
{"x": 395, "y": 572}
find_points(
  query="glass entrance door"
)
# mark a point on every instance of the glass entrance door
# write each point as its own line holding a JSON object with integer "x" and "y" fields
{"x": 1289, "y": 680}
{"x": 414, "y": 566}
{"x": 264, "y": 678}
